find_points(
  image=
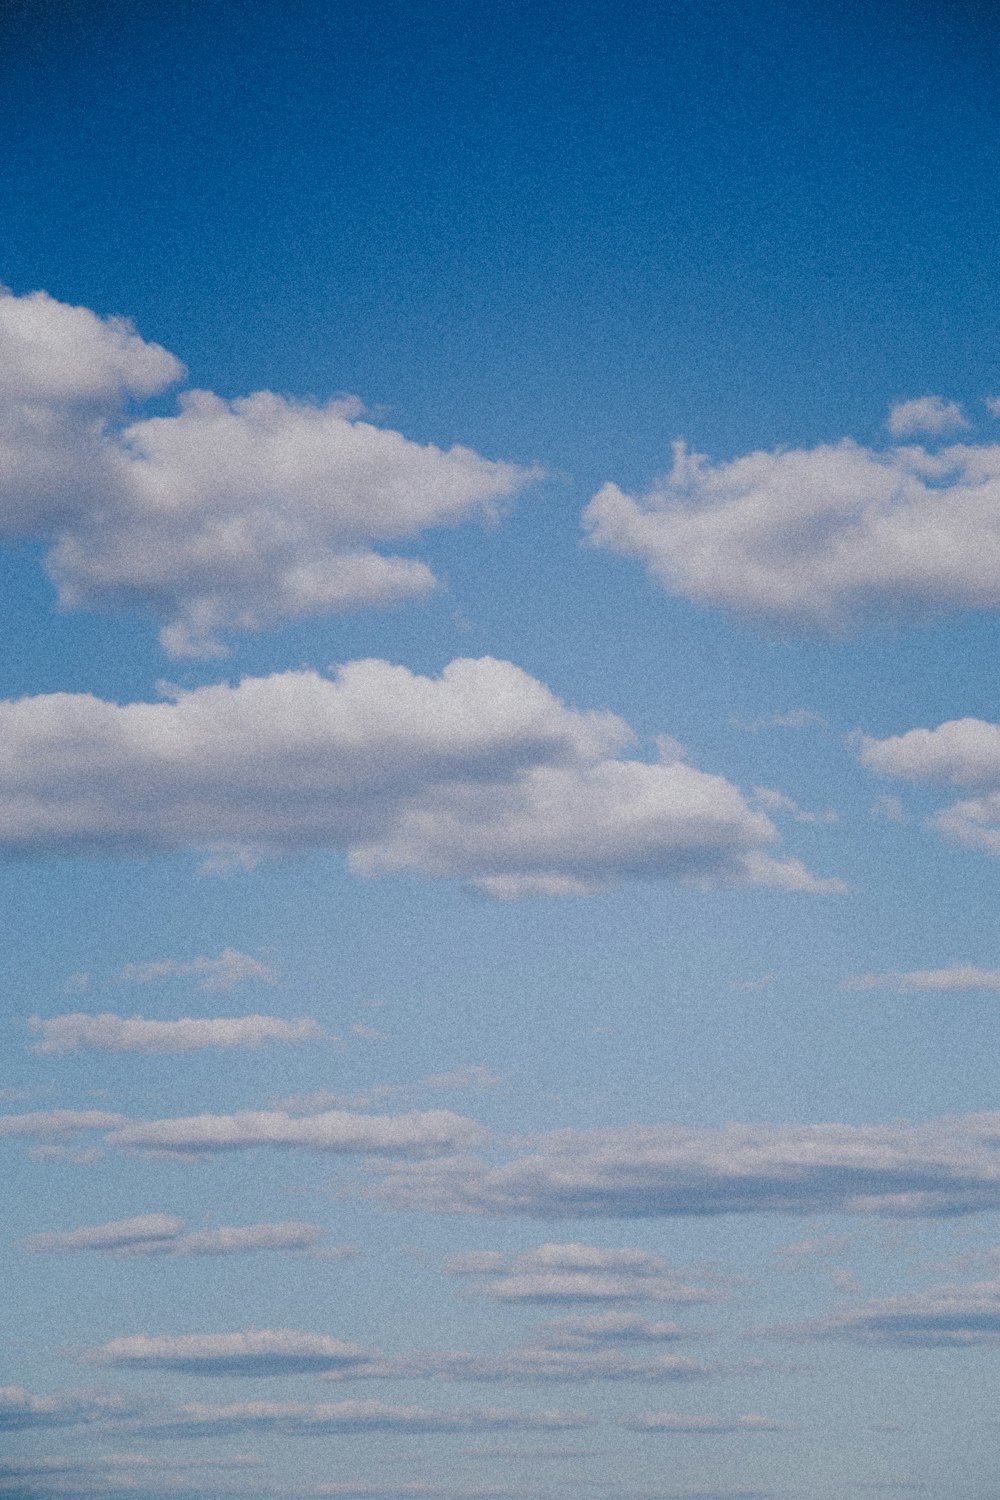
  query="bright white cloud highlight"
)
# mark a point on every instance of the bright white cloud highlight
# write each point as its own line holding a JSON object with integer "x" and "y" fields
{"x": 480, "y": 773}
{"x": 828, "y": 538}
{"x": 111, "y": 1033}
{"x": 277, "y": 1351}
{"x": 930, "y": 414}
{"x": 229, "y": 515}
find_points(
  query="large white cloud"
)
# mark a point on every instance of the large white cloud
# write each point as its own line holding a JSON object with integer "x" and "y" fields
{"x": 962, "y": 753}
{"x": 826, "y": 538}
{"x": 229, "y": 515}
{"x": 111, "y": 1033}
{"x": 480, "y": 773}
{"x": 265, "y": 1351}
{"x": 949, "y": 1166}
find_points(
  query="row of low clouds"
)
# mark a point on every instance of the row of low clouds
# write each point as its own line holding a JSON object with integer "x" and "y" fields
{"x": 108, "y": 1032}
{"x": 21, "y": 1411}
{"x": 948, "y": 1166}
{"x": 239, "y": 515}
{"x": 165, "y": 1234}
{"x": 481, "y": 773}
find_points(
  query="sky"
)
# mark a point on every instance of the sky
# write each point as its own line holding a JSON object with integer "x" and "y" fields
{"x": 499, "y": 750}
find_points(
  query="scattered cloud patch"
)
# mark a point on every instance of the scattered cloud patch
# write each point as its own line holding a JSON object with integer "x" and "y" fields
{"x": 255, "y": 1352}
{"x": 334, "y": 1130}
{"x": 825, "y": 539}
{"x": 581, "y": 1273}
{"x": 946, "y": 1167}
{"x": 162, "y": 1234}
{"x": 227, "y": 516}
{"x": 111, "y": 1033}
{"x": 231, "y": 967}
{"x": 302, "y": 1419}
{"x": 930, "y": 414}
{"x": 20, "y": 1411}
{"x": 672, "y": 1421}
{"x": 957, "y": 977}
{"x": 940, "y": 1317}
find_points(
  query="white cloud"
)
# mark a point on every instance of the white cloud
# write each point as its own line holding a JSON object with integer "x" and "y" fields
{"x": 56, "y": 1124}
{"x": 162, "y": 1234}
{"x": 480, "y": 773}
{"x": 596, "y": 1330}
{"x": 258, "y": 1352}
{"x": 958, "y": 977}
{"x": 298, "y": 1418}
{"x": 229, "y": 515}
{"x": 938, "y": 1317}
{"x": 949, "y": 1166}
{"x": 930, "y": 414}
{"x": 669, "y": 1421}
{"x": 828, "y": 538}
{"x": 579, "y": 1273}
{"x": 961, "y": 753}
{"x": 540, "y": 1364}
{"x": 111, "y": 1033}
{"x": 231, "y": 967}
{"x": 334, "y": 1130}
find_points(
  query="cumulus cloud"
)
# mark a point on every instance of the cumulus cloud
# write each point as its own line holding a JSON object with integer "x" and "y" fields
{"x": 962, "y": 753}
{"x": 162, "y": 1234}
{"x": 931, "y": 414}
{"x": 111, "y": 1033}
{"x": 780, "y": 802}
{"x": 828, "y": 538}
{"x": 480, "y": 773}
{"x": 231, "y": 967}
{"x": 954, "y": 1316}
{"x": 957, "y": 977}
{"x": 226, "y": 516}
{"x": 672, "y": 1421}
{"x": 949, "y": 1166}
{"x": 581, "y": 1273}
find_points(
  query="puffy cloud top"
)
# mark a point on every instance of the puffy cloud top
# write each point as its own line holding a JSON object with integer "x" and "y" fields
{"x": 229, "y": 515}
{"x": 827, "y": 538}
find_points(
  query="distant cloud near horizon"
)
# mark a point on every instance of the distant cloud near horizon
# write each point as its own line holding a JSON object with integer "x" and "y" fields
{"x": 164, "y": 1234}
{"x": 111, "y": 1033}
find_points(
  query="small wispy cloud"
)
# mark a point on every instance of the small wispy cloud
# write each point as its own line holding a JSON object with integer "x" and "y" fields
{"x": 231, "y": 967}
{"x": 957, "y": 977}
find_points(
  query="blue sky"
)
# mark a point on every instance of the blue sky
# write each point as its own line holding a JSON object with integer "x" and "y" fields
{"x": 499, "y": 751}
